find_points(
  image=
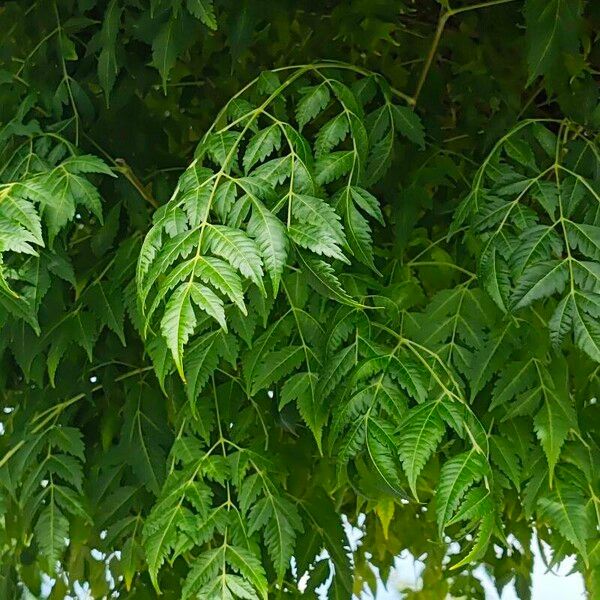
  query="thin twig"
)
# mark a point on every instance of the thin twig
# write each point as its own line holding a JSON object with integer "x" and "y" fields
{"x": 122, "y": 167}
{"x": 443, "y": 19}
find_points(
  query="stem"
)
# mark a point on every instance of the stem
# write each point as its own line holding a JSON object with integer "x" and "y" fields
{"x": 66, "y": 78}
{"x": 122, "y": 167}
{"x": 530, "y": 101}
{"x": 443, "y": 19}
{"x": 432, "y": 51}
{"x": 125, "y": 170}
{"x": 433, "y": 263}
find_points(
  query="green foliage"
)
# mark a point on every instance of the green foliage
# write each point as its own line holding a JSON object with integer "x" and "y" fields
{"x": 232, "y": 312}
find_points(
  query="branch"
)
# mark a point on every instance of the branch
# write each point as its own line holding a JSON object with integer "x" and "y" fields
{"x": 443, "y": 19}
{"x": 124, "y": 169}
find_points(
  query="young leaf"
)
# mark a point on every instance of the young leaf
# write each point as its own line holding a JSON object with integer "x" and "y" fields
{"x": 263, "y": 144}
{"x": 457, "y": 476}
{"x": 381, "y": 447}
{"x": 238, "y": 249}
{"x": 564, "y": 508}
{"x": 203, "y": 10}
{"x": 271, "y": 238}
{"x": 313, "y": 101}
{"x": 419, "y": 437}
{"x": 178, "y": 323}
{"x": 552, "y": 424}
{"x": 209, "y": 302}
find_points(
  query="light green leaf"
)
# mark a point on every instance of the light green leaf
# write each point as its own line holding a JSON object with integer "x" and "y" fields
{"x": 263, "y": 144}
{"x": 178, "y": 323}
{"x": 271, "y": 238}
{"x": 564, "y": 508}
{"x": 333, "y": 166}
{"x": 314, "y": 211}
{"x": 457, "y": 476}
{"x": 324, "y": 279}
{"x": 316, "y": 239}
{"x": 419, "y": 436}
{"x": 313, "y": 102}
{"x": 381, "y": 446}
{"x": 540, "y": 281}
{"x": 52, "y": 531}
{"x": 552, "y": 424}
{"x": 238, "y": 249}
{"x": 222, "y": 276}
{"x": 203, "y": 10}
{"x": 331, "y": 134}
{"x": 209, "y": 302}
{"x": 276, "y": 365}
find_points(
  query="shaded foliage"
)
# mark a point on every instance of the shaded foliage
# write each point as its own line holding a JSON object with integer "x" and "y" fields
{"x": 239, "y": 298}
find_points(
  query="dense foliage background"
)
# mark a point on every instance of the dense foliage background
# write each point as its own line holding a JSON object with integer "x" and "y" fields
{"x": 266, "y": 263}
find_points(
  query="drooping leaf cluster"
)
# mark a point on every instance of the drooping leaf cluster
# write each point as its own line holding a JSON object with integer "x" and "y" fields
{"x": 238, "y": 318}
